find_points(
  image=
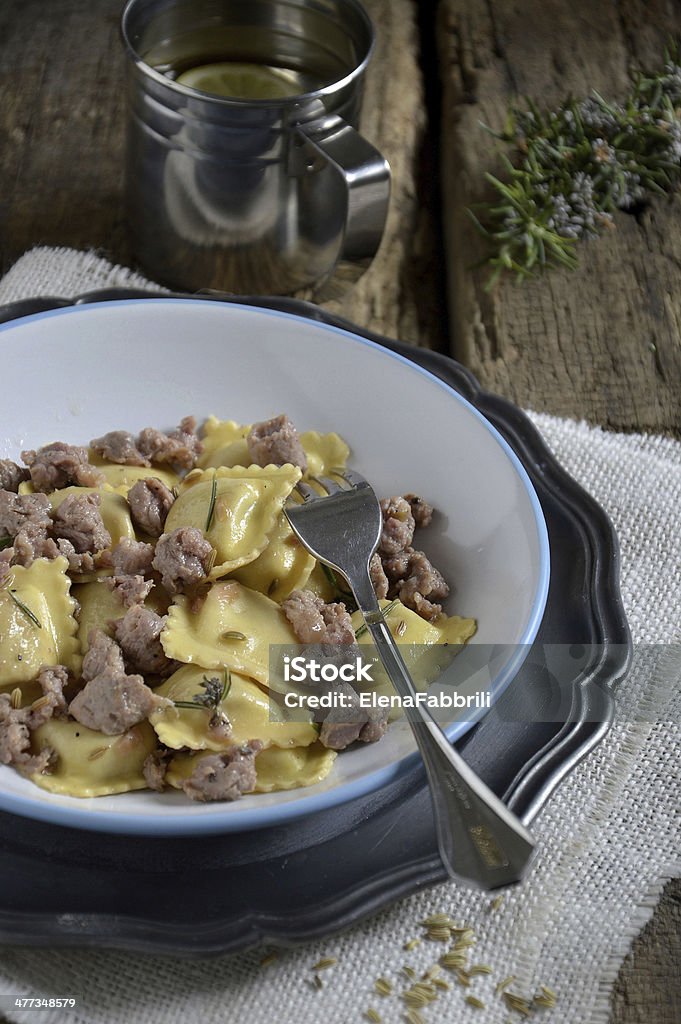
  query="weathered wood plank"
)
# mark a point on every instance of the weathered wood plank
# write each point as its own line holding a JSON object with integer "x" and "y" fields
{"x": 62, "y": 123}
{"x": 398, "y": 295}
{"x": 647, "y": 990}
{"x": 601, "y": 342}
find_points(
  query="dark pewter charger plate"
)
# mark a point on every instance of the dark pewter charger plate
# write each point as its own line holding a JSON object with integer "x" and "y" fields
{"x": 306, "y": 879}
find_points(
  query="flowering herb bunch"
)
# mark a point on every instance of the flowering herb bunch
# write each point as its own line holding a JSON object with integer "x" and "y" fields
{"x": 575, "y": 166}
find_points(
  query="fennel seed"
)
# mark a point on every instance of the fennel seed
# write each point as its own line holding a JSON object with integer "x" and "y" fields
{"x": 546, "y": 998}
{"x": 505, "y": 983}
{"x": 325, "y": 963}
{"x": 517, "y": 1003}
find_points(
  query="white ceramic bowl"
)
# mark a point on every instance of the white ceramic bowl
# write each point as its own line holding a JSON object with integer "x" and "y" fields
{"x": 75, "y": 373}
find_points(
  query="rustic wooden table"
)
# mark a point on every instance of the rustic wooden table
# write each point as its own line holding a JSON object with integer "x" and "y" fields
{"x": 601, "y": 343}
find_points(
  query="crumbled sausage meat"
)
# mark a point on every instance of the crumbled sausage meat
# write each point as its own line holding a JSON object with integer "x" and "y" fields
{"x": 344, "y": 725}
{"x": 11, "y": 475}
{"x": 150, "y": 502}
{"x": 423, "y": 586}
{"x": 378, "y": 577}
{"x": 52, "y": 680}
{"x": 15, "y": 738}
{"x": 119, "y": 446}
{"x": 224, "y": 776}
{"x": 79, "y": 562}
{"x": 59, "y": 465}
{"x": 139, "y": 633}
{"x": 182, "y": 557}
{"x": 78, "y": 519}
{"x": 398, "y": 526}
{"x": 15, "y": 741}
{"x": 102, "y": 656}
{"x": 26, "y": 519}
{"x": 32, "y": 542}
{"x": 395, "y": 568}
{"x": 155, "y": 767}
{"x": 313, "y": 621}
{"x": 113, "y": 703}
{"x": 276, "y": 442}
{"x": 16, "y": 510}
{"x": 132, "y": 558}
{"x": 16, "y": 724}
{"x": 130, "y": 590}
{"x": 420, "y": 509}
{"x": 181, "y": 447}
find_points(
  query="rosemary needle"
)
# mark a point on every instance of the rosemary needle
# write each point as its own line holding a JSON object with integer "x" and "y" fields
{"x": 25, "y": 609}
{"x": 211, "y": 505}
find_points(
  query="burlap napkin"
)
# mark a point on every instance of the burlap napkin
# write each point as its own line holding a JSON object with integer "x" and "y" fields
{"x": 608, "y": 838}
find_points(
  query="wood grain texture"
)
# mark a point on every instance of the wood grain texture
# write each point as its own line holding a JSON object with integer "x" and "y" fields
{"x": 398, "y": 295}
{"x": 602, "y": 342}
{"x": 648, "y": 990}
{"x": 62, "y": 121}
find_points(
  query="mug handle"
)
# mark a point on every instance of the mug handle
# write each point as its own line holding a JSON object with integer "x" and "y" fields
{"x": 366, "y": 174}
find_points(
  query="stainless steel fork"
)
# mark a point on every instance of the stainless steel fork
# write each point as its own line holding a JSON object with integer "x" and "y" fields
{"x": 480, "y": 840}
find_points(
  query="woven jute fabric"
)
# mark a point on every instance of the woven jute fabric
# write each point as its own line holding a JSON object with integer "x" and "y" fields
{"x": 608, "y": 837}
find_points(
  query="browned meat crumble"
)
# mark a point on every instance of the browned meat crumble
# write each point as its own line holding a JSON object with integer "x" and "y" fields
{"x": 119, "y": 446}
{"x": 182, "y": 558}
{"x": 313, "y": 621}
{"x": 150, "y": 502}
{"x": 16, "y": 724}
{"x": 408, "y": 573}
{"x": 102, "y": 656}
{"x": 79, "y": 521}
{"x": 113, "y": 703}
{"x": 180, "y": 447}
{"x": 139, "y": 635}
{"x": 12, "y": 475}
{"x": 59, "y": 465}
{"x": 275, "y": 442}
{"x": 224, "y": 776}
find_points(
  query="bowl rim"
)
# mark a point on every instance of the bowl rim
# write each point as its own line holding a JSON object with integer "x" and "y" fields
{"x": 176, "y": 823}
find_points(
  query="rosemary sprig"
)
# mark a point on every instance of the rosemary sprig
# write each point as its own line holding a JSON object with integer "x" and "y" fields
{"x": 216, "y": 691}
{"x": 574, "y": 166}
{"x": 211, "y": 504}
{"x": 25, "y": 609}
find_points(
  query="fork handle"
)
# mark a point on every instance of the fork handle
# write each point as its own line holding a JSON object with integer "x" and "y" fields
{"x": 480, "y": 840}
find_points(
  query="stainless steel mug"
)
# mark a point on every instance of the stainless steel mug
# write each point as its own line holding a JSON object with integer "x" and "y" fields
{"x": 251, "y": 195}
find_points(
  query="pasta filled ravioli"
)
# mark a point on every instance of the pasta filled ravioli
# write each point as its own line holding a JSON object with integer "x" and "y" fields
{"x": 147, "y": 582}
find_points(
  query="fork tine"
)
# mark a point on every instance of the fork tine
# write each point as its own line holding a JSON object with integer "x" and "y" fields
{"x": 306, "y": 492}
{"x": 351, "y": 477}
{"x": 329, "y": 485}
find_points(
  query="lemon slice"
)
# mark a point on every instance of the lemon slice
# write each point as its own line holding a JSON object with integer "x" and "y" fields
{"x": 236, "y": 80}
